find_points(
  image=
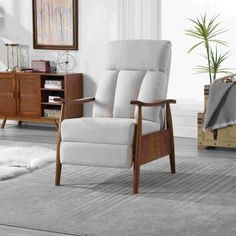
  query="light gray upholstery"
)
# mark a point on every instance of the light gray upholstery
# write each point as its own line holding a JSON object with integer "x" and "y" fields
{"x": 105, "y": 100}
{"x": 80, "y": 130}
{"x": 127, "y": 88}
{"x": 109, "y": 141}
{"x": 136, "y": 69}
{"x": 139, "y": 55}
{"x": 153, "y": 87}
{"x": 94, "y": 154}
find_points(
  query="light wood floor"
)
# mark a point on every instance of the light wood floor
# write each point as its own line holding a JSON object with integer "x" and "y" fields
{"x": 27, "y": 134}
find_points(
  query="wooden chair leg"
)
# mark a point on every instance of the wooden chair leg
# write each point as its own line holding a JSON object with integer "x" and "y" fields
{"x": 3, "y": 122}
{"x": 58, "y": 173}
{"x": 172, "y": 163}
{"x": 58, "y": 161}
{"x": 172, "y": 152}
{"x": 136, "y": 178}
{"x": 171, "y": 139}
{"x": 138, "y": 143}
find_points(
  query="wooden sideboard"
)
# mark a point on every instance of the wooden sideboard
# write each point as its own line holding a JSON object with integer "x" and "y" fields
{"x": 23, "y": 96}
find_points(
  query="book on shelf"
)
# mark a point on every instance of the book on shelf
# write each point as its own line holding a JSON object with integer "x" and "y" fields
{"x": 51, "y": 99}
{"x": 53, "y": 84}
{"x": 52, "y": 113}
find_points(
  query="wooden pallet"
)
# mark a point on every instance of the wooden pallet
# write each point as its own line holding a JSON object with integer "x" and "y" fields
{"x": 224, "y": 137}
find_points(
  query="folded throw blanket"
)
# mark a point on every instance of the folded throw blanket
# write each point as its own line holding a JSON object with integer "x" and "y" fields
{"x": 221, "y": 109}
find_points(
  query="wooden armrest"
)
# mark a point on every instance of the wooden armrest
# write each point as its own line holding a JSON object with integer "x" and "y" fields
{"x": 76, "y": 101}
{"x": 153, "y": 103}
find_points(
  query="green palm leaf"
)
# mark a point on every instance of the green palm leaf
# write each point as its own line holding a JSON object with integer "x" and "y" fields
{"x": 196, "y": 45}
{"x": 207, "y": 32}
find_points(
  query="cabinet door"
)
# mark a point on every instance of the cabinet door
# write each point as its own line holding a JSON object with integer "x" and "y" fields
{"x": 29, "y": 97}
{"x": 7, "y": 94}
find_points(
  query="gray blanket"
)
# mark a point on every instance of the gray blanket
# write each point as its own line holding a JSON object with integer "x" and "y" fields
{"x": 221, "y": 109}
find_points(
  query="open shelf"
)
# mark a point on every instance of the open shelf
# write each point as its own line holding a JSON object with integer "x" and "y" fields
{"x": 46, "y": 93}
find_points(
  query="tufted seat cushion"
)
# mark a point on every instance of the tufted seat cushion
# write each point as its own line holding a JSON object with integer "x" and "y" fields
{"x": 106, "y": 142}
{"x": 103, "y": 130}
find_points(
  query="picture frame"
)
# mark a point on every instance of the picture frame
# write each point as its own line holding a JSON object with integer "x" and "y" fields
{"x": 55, "y": 24}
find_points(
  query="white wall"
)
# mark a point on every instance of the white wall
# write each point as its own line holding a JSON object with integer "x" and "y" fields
{"x": 97, "y": 25}
{"x": 186, "y": 87}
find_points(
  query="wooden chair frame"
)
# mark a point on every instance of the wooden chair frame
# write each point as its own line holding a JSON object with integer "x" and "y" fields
{"x": 146, "y": 147}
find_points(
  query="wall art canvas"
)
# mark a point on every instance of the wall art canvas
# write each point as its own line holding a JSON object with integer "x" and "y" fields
{"x": 55, "y": 24}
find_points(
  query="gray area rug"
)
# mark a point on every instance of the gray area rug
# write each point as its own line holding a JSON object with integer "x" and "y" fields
{"x": 199, "y": 200}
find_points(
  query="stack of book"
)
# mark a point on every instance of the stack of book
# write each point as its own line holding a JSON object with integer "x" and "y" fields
{"x": 52, "y": 113}
{"x": 53, "y": 84}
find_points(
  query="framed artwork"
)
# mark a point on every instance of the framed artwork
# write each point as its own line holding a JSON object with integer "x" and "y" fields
{"x": 55, "y": 24}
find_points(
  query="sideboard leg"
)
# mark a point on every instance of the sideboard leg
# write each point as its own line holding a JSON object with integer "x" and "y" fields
{"x": 57, "y": 124}
{"x": 20, "y": 123}
{"x": 3, "y": 122}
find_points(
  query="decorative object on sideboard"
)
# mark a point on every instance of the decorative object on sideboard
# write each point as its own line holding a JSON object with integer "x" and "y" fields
{"x": 53, "y": 67}
{"x": 65, "y": 61}
{"x": 24, "y": 56}
{"x": 56, "y": 28}
{"x": 13, "y": 55}
{"x": 40, "y": 66}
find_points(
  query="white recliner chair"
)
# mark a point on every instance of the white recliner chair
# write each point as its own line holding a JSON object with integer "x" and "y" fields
{"x": 131, "y": 122}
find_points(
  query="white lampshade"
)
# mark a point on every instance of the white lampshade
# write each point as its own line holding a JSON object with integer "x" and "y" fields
{"x": 1, "y": 15}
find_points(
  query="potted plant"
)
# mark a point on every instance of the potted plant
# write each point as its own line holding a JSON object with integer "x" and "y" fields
{"x": 206, "y": 31}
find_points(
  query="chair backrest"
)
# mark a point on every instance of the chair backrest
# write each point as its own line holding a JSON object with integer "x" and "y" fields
{"x": 136, "y": 69}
